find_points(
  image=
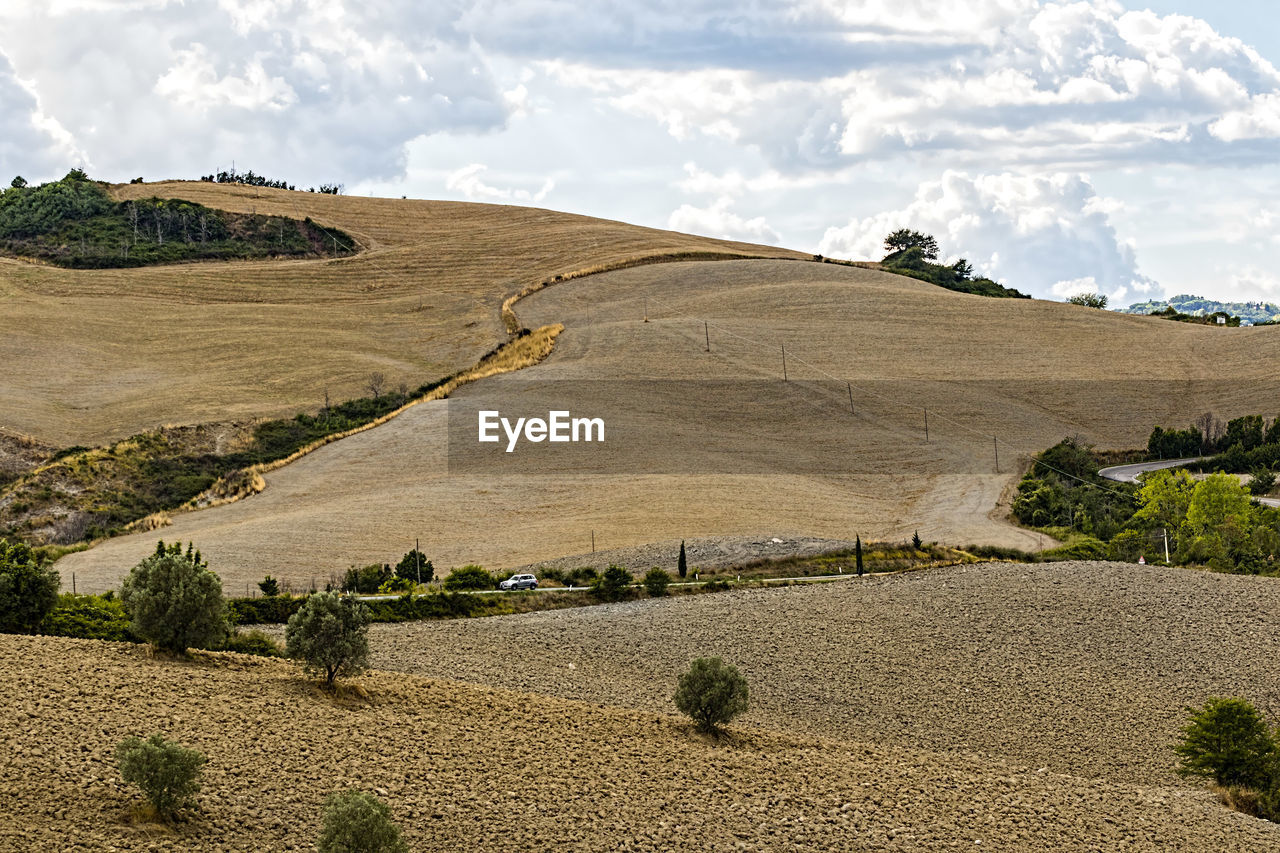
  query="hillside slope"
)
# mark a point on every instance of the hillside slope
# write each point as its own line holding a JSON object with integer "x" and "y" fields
{"x": 472, "y": 768}
{"x": 94, "y": 356}
{"x": 713, "y": 444}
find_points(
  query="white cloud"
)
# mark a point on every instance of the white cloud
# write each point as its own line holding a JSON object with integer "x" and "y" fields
{"x": 308, "y": 90}
{"x": 34, "y": 144}
{"x": 718, "y": 220}
{"x": 1047, "y": 235}
{"x": 468, "y": 182}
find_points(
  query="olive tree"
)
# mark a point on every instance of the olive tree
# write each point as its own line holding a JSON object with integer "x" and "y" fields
{"x": 712, "y": 692}
{"x": 354, "y": 820}
{"x": 174, "y": 601}
{"x": 167, "y": 772}
{"x": 28, "y": 589}
{"x": 329, "y": 634}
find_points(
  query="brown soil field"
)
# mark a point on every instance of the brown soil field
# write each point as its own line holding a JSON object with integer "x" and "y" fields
{"x": 475, "y": 768}
{"x": 94, "y": 356}
{"x": 1029, "y": 372}
{"x": 1082, "y": 668}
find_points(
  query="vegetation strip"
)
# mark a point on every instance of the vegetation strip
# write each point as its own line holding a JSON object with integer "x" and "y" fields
{"x": 74, "y": 223}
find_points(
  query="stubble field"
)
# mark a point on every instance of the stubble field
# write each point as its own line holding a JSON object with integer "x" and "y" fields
{"x": 94, "y": 356}
{"x": 791, "y": 459}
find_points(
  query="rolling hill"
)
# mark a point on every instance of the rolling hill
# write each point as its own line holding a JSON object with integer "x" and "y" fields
{"x": 95, "y": 356}
{"x": 744, "y": 454}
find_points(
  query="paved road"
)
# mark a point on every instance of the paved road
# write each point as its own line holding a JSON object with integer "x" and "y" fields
{"x": 1129, "y": 473}
{"x": 800, "y": 579}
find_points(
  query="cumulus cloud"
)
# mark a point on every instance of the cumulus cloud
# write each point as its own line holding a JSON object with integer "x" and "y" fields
{"x": 1066, "y": 84}
{"x": 33, "y": 143}
{"x": 719, "y": 220}
{"x": 1049, "y": 235}
{"x": 304, "y": 89}
{"x": 468, "y": 182}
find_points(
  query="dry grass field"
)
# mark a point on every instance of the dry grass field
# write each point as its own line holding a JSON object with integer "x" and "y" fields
{"x": 94, "y": 356}
{"x": 476, "y": 768}
{"x": 1029, "y": 372}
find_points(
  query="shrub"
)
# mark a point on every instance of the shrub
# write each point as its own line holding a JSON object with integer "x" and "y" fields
{"x": 167, "y": 772}
{"x": 274, "y": 610}
{"x": 469, "y": 577}
{"x": 1083, "y": 548}
{"x": 329, "y": 634}
{"x": 581, "y": 576}
{"x": 717, "y": 585}
{"x": 1089, "y": 300}
{"x": 415, "y": 567}
{"x": 88, "y": 617}
{"x": 1127, "y": 546}
{"x": 1263, "y": 481}
{"x": 712, "y": 693}
{"x": 1227, "y": 740}
{"x": 655, "y": 582}
{"x": 394, "y": 585}
{"x": 367, "y": 579}
{"x": 252, "y": 643}
{"x": 175, "y": 602}
{"x": 28, "y": 589}
{"x": 613, "y": 584}
{"x": 356, "y": 821}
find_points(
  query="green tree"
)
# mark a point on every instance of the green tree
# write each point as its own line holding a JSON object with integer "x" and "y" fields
{"x": 174, "y": 601}
{"x": 1262, "y": 482}
{"x": 468, "y": 577}
{"x": 1164, "y": 499}
{"x": 167, "y": 772}
{"x": 904, "y": 239}
{"x": 916, "y": 541}
{"x": 656, "y": 582}
{"x": 356, "y": 822}
{"x": 1227, "y": 740}
{"x": 682, "y": 566}
{"x": 28, "y": 589}
{"x": 18, "y": 182}
{"x": 414, "y": 566}
{"x": 1215, "y": 499}
{"x": 329, "y": 634}
{"x": 1089, "y": 300}
{"x": 269, "y": 586}
{"x": 712, "y": 693}
{"x": 857, "y": 554}
{"x": 613, "y": 584}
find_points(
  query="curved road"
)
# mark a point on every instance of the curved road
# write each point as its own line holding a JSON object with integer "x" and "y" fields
{"x": 1129, "y": 473}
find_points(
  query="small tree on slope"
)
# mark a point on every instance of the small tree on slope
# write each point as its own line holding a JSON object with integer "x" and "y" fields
{"x": 329, "y": 634}
{"x": 175, "y": 602}
{"x": 712, "y": 693}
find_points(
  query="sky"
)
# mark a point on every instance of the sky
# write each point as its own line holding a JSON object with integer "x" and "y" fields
{"x": 1128, "y": 148}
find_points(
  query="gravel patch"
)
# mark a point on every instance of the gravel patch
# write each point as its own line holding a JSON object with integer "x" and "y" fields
{"x": 472, "y": 768}
{"x": 1082, "y": 668}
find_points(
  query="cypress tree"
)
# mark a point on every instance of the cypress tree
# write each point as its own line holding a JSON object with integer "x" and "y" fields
{"x": 857, "y": 553}
{"x": 682, "y": 567}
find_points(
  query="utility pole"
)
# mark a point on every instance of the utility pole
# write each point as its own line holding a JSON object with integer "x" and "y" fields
{"x": 1166, "y": 546}
{"x": 996, "y": 444}
{"x": 417, "y": 560}
{"x": 707, "y": 331}
{"x": 593, "y": 542}
{"x": 851, "y": 411}
{"x": 926, "y": 426}
{"x": 646, "y": 309}
{"x": 784, "y": 362}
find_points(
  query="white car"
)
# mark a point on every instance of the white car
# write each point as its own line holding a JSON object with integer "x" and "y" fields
{"x": 519, "y": 582}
